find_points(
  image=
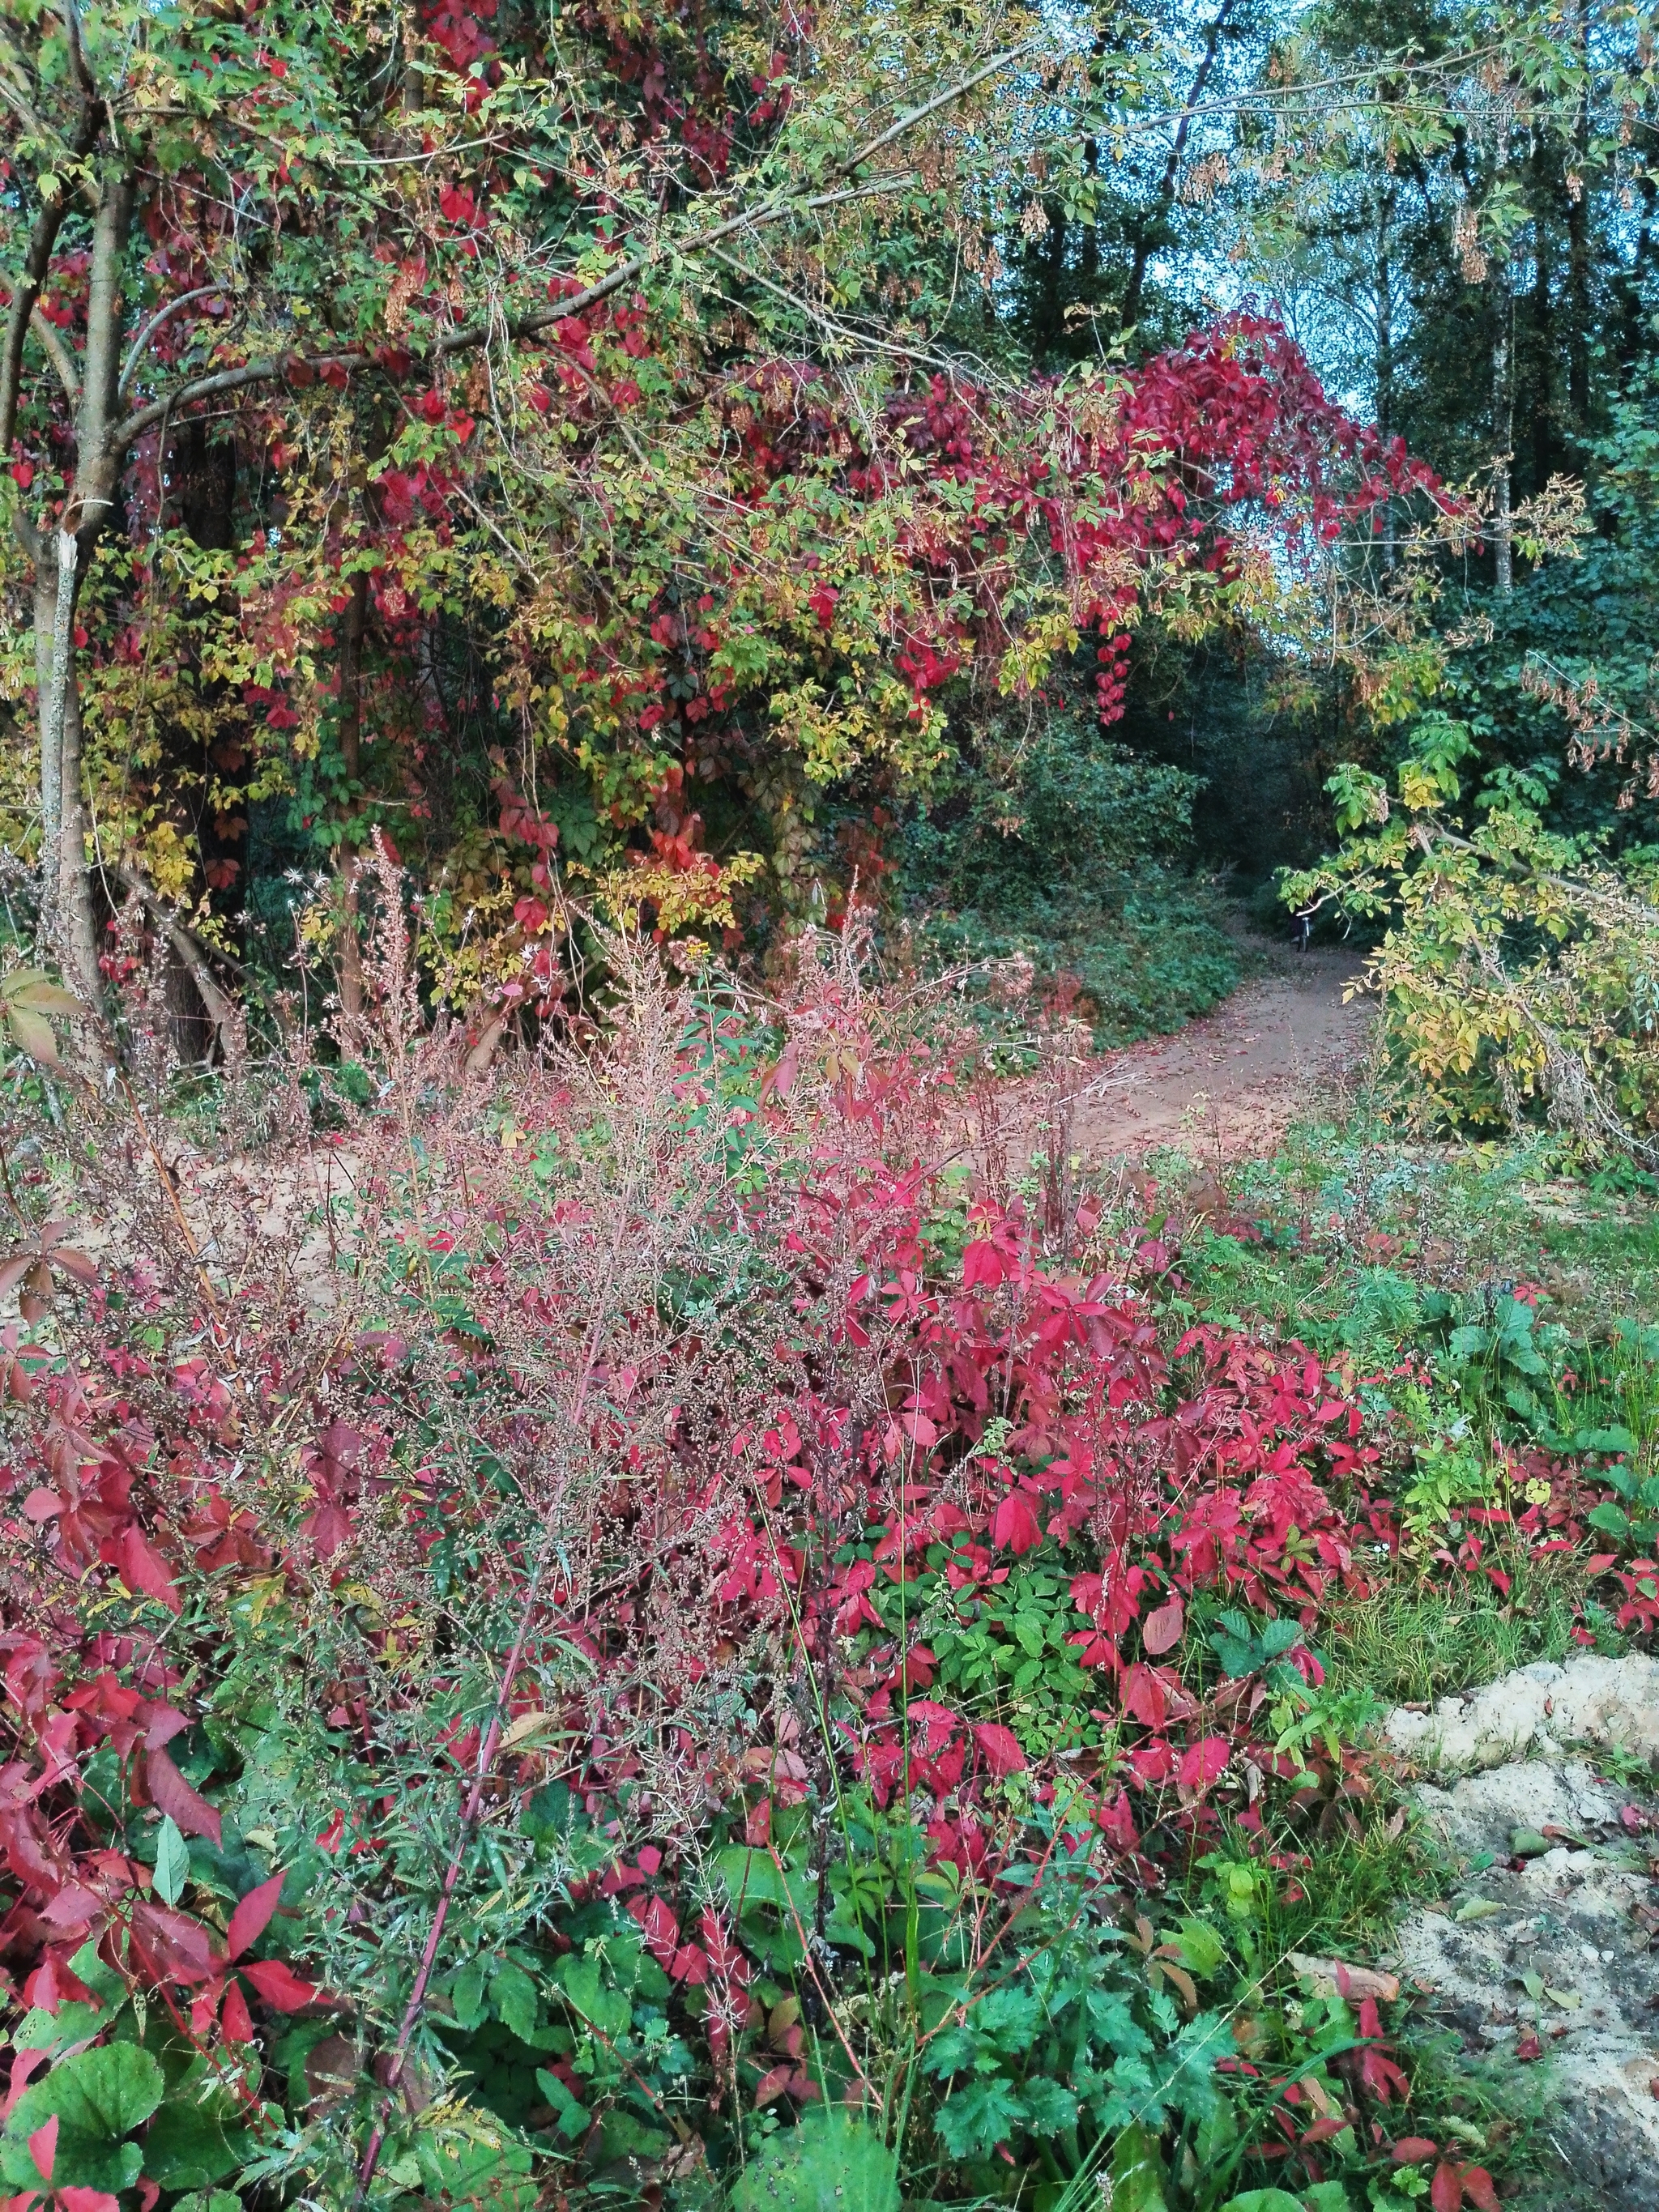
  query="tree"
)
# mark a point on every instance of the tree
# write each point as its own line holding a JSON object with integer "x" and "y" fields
{"x": 518, "y": 442}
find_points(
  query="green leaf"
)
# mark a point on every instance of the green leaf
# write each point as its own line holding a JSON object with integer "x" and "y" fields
{"x": 830, "y": 2163}
{"x": 513, "y": 1994}
{"x": 466, "y": 1994}
{"x": 34, "y": 988}
{"x": 1137, "y": 2172}
{"x": 1605, "y": 1440}
{"x": 571, "y": 2117}
{"x": 1612, "y": 1520}
{"x": 191, "y": 2144}
{"x": 172, "y": 1862}
{"x": 1050, "y": 2107}
{"x": 478, "y": 2171}
{"x": 98, "y": 2096}
{"x": 608, "y": 2010}
{"x": 979, "y": 2115}
{"x": 32, "y": 1034}
{"x": 1200, "y": 1948}
{"x": 1263, "y": 2200}
{"x": 1029, "y": 1633}
{"x": 55, "y": 2031}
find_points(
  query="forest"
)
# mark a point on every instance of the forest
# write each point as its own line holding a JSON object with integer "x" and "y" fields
{"x": 646, "y": 1560}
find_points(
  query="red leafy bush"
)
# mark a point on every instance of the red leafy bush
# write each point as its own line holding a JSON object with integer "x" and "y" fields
{"x": 656, "y": 1429}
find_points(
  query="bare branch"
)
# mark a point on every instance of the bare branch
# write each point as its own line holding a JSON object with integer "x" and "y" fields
{"x": 951, "y": 93}
{"x": 88, "y": 89}
{"x": 193, "y": 956}
{"x": 161, "y": 315}
{"x": 25, "y": 293}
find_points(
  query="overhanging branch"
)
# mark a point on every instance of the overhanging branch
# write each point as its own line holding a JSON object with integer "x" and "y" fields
{"x": 271, "y": 368}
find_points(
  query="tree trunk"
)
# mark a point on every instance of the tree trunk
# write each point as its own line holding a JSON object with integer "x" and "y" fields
{"x": 1383, "y": 285}
{"x": 1503, "y": 525}
{"x": 1146, "y": 231}
{"x": 1578, "y": 248}
{"x": 68, "y": 928}
{"x": 1543, "y": 348}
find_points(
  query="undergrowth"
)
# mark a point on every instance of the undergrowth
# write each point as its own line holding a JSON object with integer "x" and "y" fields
{"x": 641, "y": 1628}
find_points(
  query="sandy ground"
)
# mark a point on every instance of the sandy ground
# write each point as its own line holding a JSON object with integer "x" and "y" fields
{"x": 1285, "y": 1043}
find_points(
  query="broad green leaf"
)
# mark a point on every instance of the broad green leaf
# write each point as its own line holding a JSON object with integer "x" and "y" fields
{"x": 571, "y": 2117}
{"x": 31, "y": 987}
{"x": 608, "y": 2010}
{"x": 192, "y": 2143}
{"x": 100, "y": 2097}
{"x": 830, "y": 2162}
{"x": 466, "y": 1994}
{"x": 513, "y": 1994}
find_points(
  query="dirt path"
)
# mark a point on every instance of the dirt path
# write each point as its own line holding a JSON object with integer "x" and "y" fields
{"x": 1229, "y": 1085}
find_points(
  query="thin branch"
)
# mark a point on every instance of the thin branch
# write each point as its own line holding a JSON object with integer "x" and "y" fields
{"x": 88, "y": 90}
{"x": 202, "y": 292}
{"x": 24, "y": 294}
{"x": 474, "y": 335}
{"x": 909, "y": 121}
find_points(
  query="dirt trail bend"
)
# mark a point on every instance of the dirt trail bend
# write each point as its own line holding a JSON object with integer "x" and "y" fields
{"x": 1285, "y": 1044}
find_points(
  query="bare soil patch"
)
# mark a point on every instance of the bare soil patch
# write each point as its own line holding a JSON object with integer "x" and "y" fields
{"x": 1286, "y": 1044}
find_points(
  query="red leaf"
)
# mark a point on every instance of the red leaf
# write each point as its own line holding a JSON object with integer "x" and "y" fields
{"x": 981, "y": 1262}
{"x": 772, "y": 2084}
{"x": 1000, "y": 1746}
{"x": 1412, "y": 2150}
{"x": 1203, "y": 1762}
{"x": 43, "y": 2147}
{"x": 1446, "y": 2190}
{"x": 279, "y": 1985}
{"x": 145, "y": 1571}
{"x": 171, "y": 1794}
{"x": 23, "y": 2063}
{"x": 253, "y": 1916}
{"x": 1161, "y": 1630}
{"x": 1014, "y": 1526}
{"x": 86, "y": 2200}
{"x": 233, "y": 2017}
{"x": 1478, "y": 2188}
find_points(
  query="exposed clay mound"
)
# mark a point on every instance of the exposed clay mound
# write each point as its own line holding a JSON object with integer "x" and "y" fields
{"x": 1614, "y": 1702}
{"x": 1546, "y": 1945}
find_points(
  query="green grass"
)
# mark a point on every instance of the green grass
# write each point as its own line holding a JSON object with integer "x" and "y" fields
{"x": 1416, "y": 1641}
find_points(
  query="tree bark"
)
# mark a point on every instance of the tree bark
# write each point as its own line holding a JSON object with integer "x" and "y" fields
{"x": 1577, "y": 183}
{"x": 68, "y": 926}
{"x": 1383, "y": 287}
{"x": 1502, "y": 406}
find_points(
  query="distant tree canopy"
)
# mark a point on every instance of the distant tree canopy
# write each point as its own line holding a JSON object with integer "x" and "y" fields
{"x": 650, "y": 450}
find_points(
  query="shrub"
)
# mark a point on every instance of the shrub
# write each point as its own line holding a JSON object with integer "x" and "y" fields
{"x": 588, "y": 1616}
